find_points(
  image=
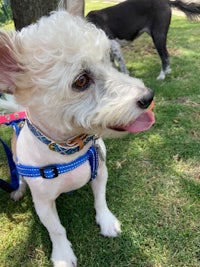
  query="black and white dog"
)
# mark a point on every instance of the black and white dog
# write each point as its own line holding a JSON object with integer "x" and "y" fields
{"x": 129, "y": 19}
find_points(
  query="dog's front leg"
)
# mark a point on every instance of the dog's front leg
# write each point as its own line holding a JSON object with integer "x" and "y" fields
{"x": 116, "y": 55}
{"x": 108, "y": 223}
{"x": 62, "y": 253}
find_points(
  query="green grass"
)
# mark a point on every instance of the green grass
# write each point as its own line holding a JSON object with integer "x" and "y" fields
{"x": 8, "y": 26}
{"x": 154, "y": 177}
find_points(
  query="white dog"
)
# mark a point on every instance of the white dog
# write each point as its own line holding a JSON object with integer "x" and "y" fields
{"x": 59, "y": 70}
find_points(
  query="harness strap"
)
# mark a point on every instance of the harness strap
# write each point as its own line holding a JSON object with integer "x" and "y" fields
{"x": 6, "y": 118}
{"x": 52, "y": 171}
{"x": 14, "y": 185}
{"x": 47, "y": 172}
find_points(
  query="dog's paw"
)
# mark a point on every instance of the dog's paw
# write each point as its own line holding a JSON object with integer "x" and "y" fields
{"x": 64, "y": 264}
{"x": 19, "y": 193}
{"x": 68, "y": 263}
{"x": 161, "y": 76}
{"x": 64, "y": 257}
{"x": 109, "y": 224}
{"x": 168, "y": 70}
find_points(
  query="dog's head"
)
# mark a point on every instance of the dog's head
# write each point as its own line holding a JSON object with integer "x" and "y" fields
{"x": 59, "y": 69}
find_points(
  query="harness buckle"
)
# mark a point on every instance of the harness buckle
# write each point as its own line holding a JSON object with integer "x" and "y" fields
{"x": 49, "y": 172}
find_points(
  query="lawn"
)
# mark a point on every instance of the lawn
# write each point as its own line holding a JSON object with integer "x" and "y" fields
{"x": 154, "y": 177}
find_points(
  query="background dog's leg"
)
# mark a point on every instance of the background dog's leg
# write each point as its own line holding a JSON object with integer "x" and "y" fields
{"x": 160, "y": 40}
{"x": 116, "y": 55}
{"x": 62, "y": 253}
{"x": 108, "y": 223}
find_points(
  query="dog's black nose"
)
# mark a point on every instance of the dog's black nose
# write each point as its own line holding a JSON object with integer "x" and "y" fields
{"x": 146, "y": 100}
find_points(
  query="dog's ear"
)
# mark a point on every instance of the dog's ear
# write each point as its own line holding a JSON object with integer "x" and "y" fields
{"x": 9, "y": 63}
{"x": 75, "y": 7}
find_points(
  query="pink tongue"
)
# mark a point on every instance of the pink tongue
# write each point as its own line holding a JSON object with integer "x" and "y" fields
{"x": 142, "y": 123}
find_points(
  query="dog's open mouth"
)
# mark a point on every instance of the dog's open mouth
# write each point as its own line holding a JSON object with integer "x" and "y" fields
{"x": 143, "y": 123}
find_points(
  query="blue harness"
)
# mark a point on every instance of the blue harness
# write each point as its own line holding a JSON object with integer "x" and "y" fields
{"x": 14, "y": 176}
{"x": 49, "y": 171}
{"x": 52, "y": 171}
{"x": 14, "y": 184}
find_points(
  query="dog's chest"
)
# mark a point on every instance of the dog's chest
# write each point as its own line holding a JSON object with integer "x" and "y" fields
{"x": 31, "y": 151}
{"x": 74, "y": 179}
{"x": 66, "y": 182}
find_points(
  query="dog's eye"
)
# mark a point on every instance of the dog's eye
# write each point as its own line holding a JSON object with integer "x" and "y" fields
{"x": 82, "y": 82}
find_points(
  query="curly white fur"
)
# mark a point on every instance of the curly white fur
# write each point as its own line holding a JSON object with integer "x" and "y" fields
{"x": 39, "y": 65}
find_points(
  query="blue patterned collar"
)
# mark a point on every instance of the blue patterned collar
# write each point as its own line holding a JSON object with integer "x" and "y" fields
{"x": 68, "y": 147}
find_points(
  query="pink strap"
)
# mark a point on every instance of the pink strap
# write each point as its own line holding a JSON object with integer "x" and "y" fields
{"x": 6, "y": 118}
